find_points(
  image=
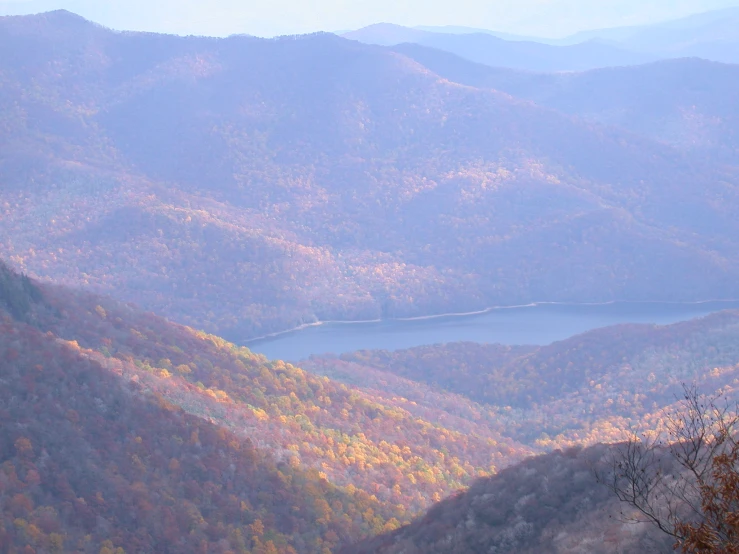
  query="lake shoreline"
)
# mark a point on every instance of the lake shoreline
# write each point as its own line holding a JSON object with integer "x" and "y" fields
{"x": 475, "y": 313}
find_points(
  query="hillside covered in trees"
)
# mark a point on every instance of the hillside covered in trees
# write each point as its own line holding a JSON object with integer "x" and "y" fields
{"x": 583, "y": 390}
{"x": 94, "y": 460}
{"x": 112, "y": 414}
{"x": 551, "y": 503}
{"x": 199, "y": 439}
{"x": 245, "y": 186}
{"x": 687, "y": 103}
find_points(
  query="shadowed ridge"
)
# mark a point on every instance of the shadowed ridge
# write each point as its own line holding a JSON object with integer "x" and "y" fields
{"x": 18, "y": 294}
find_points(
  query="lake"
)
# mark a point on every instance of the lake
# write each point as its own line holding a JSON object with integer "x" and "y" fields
{"x": 535, "y": 324}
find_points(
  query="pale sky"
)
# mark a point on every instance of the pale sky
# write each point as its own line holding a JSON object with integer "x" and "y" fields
{"x": 549, "y": 18}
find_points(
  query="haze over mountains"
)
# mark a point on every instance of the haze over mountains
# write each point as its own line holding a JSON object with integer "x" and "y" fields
{"x": 247, "y": 186}
{"x": 226, "y": 17}
{"x": 491, "y": 50}
{"x": 711, "y": 35}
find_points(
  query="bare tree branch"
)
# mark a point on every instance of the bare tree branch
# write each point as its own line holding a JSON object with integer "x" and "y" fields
{"x": 681, "y": 482}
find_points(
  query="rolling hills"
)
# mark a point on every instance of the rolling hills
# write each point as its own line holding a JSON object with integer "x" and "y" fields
{"x": 583, "y": 390}
{"x": 247, "y": 186}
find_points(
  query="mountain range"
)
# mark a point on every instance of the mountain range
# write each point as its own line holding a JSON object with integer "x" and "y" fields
{"x": 711, "y": 35}
{"x": 498, "y": 52}
{"x": 247, "y": 186}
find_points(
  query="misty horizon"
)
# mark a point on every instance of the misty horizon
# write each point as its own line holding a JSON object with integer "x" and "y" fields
{"x": 555, "y": 20}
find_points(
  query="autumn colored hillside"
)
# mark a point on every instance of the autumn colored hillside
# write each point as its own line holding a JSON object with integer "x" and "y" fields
{"x": 550, "y": 503}
{"x": 587, "y": 389}
{"x": 170, "y": 419}
{"x": 368, "y": 461}
{"x": 92, "y": 460}
{"x": 245, "y": 186}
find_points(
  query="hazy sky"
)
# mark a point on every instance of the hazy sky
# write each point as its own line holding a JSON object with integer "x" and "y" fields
{"x": 551, "y": 18}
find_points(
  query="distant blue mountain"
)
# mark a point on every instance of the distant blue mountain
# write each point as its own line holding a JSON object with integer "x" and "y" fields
{"x": 458, "y": 30}
{"x": 712, "y": 35}
{"x": 494, "y": 51}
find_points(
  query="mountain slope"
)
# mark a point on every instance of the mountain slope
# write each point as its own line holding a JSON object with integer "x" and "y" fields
{"x": 687, "y": 103}
{"x": 92, "y": 460}
{"x": 582, "y": 390}
{"x": 551, "y": 503}
{"x": 247, "y": 186}
{"x": 389, "y": 454}
{"x": 497, "y": 52}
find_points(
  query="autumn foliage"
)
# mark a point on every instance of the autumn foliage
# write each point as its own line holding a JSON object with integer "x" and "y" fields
{"x": 719, "y": 532}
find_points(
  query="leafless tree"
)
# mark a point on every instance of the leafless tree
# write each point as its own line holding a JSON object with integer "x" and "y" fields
{"x": 681, "y": 480}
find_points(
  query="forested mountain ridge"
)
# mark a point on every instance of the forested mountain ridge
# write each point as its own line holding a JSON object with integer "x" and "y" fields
{"x": 687, "y": 103}
{"x": 94, "y": 460}
{"x": 356, "y": 460}
{"x": 246, "y": 186}
{"x": 582, "y": 390}
{"x": 344, "y": 461}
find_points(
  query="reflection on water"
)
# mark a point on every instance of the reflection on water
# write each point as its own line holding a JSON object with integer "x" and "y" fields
{"x": 540, "y": 324}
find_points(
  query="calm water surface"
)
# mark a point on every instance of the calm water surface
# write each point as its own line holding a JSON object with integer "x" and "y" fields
{"x": 539, "y": 324}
